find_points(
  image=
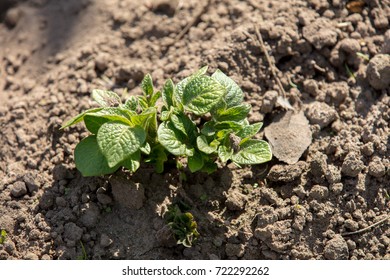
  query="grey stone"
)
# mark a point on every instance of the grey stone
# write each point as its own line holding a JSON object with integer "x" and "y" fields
{"x": 18, "y": 189}
{"x": 286, "y": 173}
{"x": 72, "y": 232}
{"x": 320, "y": 113}
{"x": 336, "y": 249}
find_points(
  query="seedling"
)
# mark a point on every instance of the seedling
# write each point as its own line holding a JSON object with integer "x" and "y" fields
{"x": 183, "y": 225}
{"x": 3, "y": 236}
{"x": 202, "y": 119}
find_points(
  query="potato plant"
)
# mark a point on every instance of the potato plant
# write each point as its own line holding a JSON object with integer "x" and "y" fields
{"x": 202, "y": 118}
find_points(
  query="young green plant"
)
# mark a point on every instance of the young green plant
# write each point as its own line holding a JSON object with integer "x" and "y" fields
{"x": 202, "y": 118}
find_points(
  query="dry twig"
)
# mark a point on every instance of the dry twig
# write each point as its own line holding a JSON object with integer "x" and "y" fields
{"x": 272, "y": 66}
{"x": 366, "y": 228}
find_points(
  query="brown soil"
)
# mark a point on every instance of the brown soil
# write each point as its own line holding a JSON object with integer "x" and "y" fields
{"x": 53, "y": 53}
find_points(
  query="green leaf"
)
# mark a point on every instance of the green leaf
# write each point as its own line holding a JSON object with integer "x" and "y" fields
{"x": 106, "y": 98}
{"x": 179, "y": 91}
{"x": 234, "y": 95}
{"x": 143, "y": 102}
{"x": 94, "y": 122}
{"x": 165, "y": 115}
{"x": 167, "y": 93}
{"x": 208, "y": 128}
{"x": 225, "y": 153}
{"x": 132, "y": 163}
{"x": 236, "y": 113}
{"x": 195, "y": 162}
{"x": 173, "y": 140}
{"x": 89, "y": 160}
{"x": 203, "y": 145}
{"x": 131, "y": 103}
{"x": 229, "y": 125}
{"x": 253, "y": 152}
{"x": 201, "y": 94}
{"x": 79, "y": 117}
{"x": 145, "y": 148}
{"x": 250, "y": 130}
{"x": 147, "y": 85}
{"x": 118, "y": 141}
{"x": 158, "y": 156}
{"x": 153, "y": 99}
{"x": 185, "y": 125}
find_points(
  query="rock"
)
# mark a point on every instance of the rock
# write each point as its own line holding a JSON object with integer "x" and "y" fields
{"x": 90, "y": 214}
{"x": 72, "y": 232}
{"x": 336, "y": 249}
{"x": 235, "y": 250}
{"x": 3, "y": 255}
{"x": 320, "y": 33}
{"x": 130, "y": 72}
{"x": 9, "y": 246}
{"x": 289, "y": 136}
{"x": 318, "y": 165}
{"x": 31, "y": 256}
{"x": 352, "y": 165}
{"x": 103, "y": 198}
{"x": 268, "y": 102}
{"x": 59, "y": 172}
{"x": 31, "y": 182}
{"x": 333, "y": 174}
{"x": 101, "y": 61}
{"x": 12, "y": 17}
{"x": 319, "y": 192}
{"x": 60, "y": 201}
{"x": 47, "y": 201}
{"x": 310, "y": 86}
{"x": 286, "y": 173}
{"x": 376, "y": 168}
{"x": 378, "y": 71}
{"x": 338, "y": 91}
{"x": 235, "y": 200}
{"x": 127, "y": 193}
{"x": 165, "y": 7}
{"x": 380, "y": 18}
{"x": 18, "y": 189}
{"x": 105, "y": 241}
{"x": 350, "y": 46}
{"x": 386, "y": 43}
{"x": 320, "y": 113}
{"x": 266, "y": 215}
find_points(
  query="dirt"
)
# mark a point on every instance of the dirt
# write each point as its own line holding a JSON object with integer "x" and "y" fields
{"x": 333, "y": 64}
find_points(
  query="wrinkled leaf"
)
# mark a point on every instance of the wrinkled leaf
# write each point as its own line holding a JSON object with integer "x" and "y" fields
{"x": 236, "y": 113}
{"x": 184, "y": 124}
{"x": 94, "y": 121}
{"x": 118, "y": 141}
{"x": 234, "y": 95}
{"x": 89, "y": 160}
{"x": 201, "y": 94}
{"x": 253, "y": 152}
{"x": 249, "y": 130}
{"x": 173, "y": 140}
{"x": 154, "y": 98}
{"x": 167, "y": 93}
{"x": 203, "y": 145}
{"x": 145, "y": 148}
{"x": 147, "y": 85}
{"x": 225, "y": 153}
{"x": 132, "y": 163}
{"x": 106, "y": 98}
{"x": 79, "y": 117}
{"x": 131, "y": 103}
